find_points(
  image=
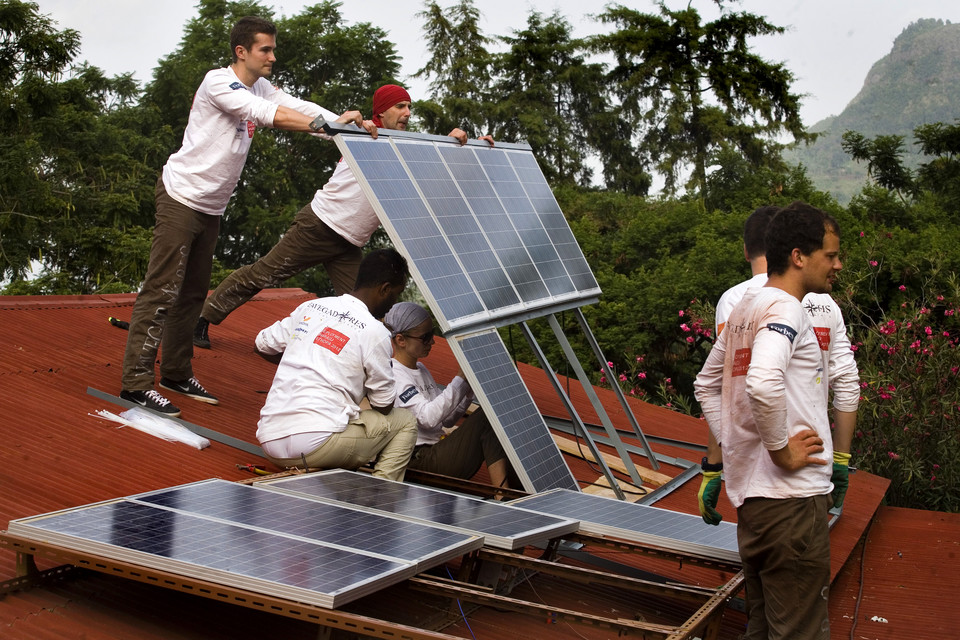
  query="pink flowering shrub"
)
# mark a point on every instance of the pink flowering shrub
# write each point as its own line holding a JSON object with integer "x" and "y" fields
{"x": 908, "y": 426}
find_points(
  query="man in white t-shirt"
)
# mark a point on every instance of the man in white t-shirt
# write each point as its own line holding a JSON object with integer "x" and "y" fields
{"x": 331, "y": 230}
{"x": 764, "y": 395}
{"x": 192, "y": 194}
{"x": 331, "y": 353}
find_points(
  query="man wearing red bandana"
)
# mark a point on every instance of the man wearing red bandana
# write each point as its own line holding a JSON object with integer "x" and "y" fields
{"x": 331, "y": 230}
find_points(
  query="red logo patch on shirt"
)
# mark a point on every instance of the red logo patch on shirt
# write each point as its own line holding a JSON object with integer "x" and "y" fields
{"x": 741, "y": 361}
{"x": 823, "y": 337}
{"x": 331, "y": 339}
{"x": 250, "y": 129}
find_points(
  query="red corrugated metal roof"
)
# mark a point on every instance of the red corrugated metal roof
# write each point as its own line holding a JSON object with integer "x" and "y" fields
{"x": 56, "y": 455}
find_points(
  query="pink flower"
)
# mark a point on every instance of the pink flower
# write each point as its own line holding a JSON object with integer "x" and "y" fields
{"x": 861, "y": 234}
{"x": 623, "y": 377}
{"x": 893, "y": 456}
{"x": 853, "y": 347}
{"x": 603, "y": 379}
{"x": 684, "y": 327}
{"x": 642, "y": 375}
{"x": 691, "y": 339}
{"x": 681, "y": 313}
{"x": 928, "y": 331}
{"x": 939, "y": 298}
{"x": 902, "y": 288}
{"x": 639, "y": 358}
{"x": 873, "y": 263}
{"x": 609, "y": 364}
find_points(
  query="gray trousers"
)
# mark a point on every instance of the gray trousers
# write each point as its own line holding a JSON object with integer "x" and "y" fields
{"x": 307, "y": 243}
{"x": 785, "y": 550}
{"x": 169, "y": 303}
{"x": 460, "y": 454}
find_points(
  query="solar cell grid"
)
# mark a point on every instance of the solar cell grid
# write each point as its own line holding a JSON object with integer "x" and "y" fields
{"x": 365, "y": 531}
{"x": 513, "y": 413}
{"x": 501, "y": 525}
{"x": 199, "y": 547}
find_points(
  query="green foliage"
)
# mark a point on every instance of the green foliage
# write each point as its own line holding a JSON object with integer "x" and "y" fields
{"x": 691, "y": 89}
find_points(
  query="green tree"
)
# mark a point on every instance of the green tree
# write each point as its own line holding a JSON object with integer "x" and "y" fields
{"x": 548, "y": 95}
{"x": 76, "y": 163}
{"x": 691, "y": 89}
{"x": 459, "y": 70}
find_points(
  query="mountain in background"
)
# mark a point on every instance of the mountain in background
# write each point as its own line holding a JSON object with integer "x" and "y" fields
{"x": 918, "y": 82}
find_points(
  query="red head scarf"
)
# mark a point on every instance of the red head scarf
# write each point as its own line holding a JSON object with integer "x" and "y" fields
{"x": 385, "y": 97}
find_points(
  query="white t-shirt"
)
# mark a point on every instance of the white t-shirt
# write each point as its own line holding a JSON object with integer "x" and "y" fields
{"x": 225, "y": 113}
{"x": 334, "y": 354}
{"x": 343, "y": 207}
{"x": 831, "y": 332}
{"x": 763, "y": 382}
{"x": 436, "y": 408}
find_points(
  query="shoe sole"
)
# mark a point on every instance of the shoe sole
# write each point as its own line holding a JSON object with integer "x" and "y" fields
{"x": 202, "y": 344}
{"x": 190, "y": 395}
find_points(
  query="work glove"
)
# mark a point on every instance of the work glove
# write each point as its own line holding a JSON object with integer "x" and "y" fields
{"x": 840, "y": 477}
{"x": 707, "y": 496}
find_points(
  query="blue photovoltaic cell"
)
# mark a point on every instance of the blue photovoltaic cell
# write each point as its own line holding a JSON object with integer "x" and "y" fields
{"x": 554, "y": 221}
{"x": 191, "y": 540}
{"x": 457, "y": 222}
{"x": 641, "y": 523}
{"x": 416, "y": 229}
{"x": 515, "y": 527}
{"x": 515, "y": 416}
{"x": 361, "y": 530}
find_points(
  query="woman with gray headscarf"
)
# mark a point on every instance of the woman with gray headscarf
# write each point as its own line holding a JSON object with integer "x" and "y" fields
{"x": 438, "y": 409}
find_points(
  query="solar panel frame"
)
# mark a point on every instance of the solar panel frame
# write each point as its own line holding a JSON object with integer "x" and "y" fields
{"x": 645, "y": 524}
{"x": 500, "y": 525}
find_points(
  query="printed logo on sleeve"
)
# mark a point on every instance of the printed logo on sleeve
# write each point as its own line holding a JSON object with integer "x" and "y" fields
{"x": 741, "y": 361}
{"x": 783, "y": 329}
{"x": 332, "y": 340}
{"x": 237, "y": 85}
{"x": 408, "y": 393}
{"x": 250, "y": 129}
{"x": 823, "y": 337}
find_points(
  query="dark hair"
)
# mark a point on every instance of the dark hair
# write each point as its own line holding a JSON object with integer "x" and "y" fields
{"x": 244, "y": 32}
{"x": 755, "y": 228}
{"x": 380, "y": 266}
{"x": 797, "y": 226}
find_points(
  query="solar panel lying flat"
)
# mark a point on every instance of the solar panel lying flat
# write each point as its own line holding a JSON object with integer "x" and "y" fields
{"x": 512, "y": 413}
{"x": 238, "y": 554}
{"x": 639, "y": 523}
{"x": 501, "y": 525}
{"x": 333, "y": 525}
{"x": 483, "y": 232}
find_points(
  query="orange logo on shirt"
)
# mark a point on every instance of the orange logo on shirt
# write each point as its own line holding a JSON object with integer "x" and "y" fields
{"x": 823, "y": 337}
{"x": 332, "y": 340}
{"x": 741, "y": 361}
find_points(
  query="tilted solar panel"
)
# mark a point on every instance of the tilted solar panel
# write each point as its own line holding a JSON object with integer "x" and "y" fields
{"x": 512, "y": 413}
{"x": 640, "y": 523}
{"x": 485, "y": 236}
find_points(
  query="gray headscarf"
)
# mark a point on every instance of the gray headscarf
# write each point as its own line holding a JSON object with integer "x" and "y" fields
{"x": 404, "y": 316}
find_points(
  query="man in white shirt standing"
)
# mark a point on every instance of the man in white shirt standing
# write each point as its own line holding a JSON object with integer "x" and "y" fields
{"x": 764, "y": 394}
{"x": 333, "y": 352}
{"x": 192, "y": 194}
{"x": 331, "y": 230}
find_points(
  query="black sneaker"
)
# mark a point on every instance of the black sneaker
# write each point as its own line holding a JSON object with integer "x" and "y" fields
{"x": 152, "y": 400}
{"x": 190, "y": 388}
{"x": 201, "y": 337}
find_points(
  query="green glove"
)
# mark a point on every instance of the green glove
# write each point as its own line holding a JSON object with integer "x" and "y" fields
{"x": 707, "y": 497}
{"x": 840, "y": 477}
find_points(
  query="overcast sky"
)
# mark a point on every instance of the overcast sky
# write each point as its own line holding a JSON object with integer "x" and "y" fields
{"x": 830, "y": 45}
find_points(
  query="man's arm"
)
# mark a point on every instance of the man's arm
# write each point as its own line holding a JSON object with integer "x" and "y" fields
{"x": 292, "y": 120}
